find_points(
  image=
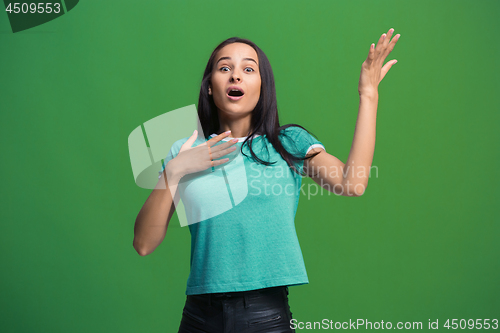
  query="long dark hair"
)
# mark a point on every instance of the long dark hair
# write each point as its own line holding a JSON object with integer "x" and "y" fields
{"x": 265, "y": 119}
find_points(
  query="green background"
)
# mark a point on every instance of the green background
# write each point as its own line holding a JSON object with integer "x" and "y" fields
{"x": 421, "y": 243}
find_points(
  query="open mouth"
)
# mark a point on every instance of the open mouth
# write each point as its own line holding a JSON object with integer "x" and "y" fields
{"x": 235, "y": 93}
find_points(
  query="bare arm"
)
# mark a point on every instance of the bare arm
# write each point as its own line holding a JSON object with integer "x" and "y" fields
{"x": 351, "y": 179}
{"x": 152, "y": 221}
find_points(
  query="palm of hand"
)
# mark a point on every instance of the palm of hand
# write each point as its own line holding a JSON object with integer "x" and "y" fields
{"x": 372, "y": 71}
{"x": 194, "y": 159}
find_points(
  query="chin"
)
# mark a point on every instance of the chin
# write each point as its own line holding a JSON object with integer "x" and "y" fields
{"x": 231, "y": 110}
{"x": 234, "y": 108}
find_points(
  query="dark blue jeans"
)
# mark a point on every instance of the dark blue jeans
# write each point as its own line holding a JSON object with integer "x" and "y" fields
{"x": 261, "y": 310}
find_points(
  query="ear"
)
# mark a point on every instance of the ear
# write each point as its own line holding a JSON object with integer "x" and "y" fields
{"x": 209, "y": 90}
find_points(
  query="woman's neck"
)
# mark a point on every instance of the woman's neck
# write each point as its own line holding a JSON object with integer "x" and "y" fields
{"x": 239, "y": 128}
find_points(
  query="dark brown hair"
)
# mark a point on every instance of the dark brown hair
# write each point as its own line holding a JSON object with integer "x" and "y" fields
{"x": 265, "y": 119}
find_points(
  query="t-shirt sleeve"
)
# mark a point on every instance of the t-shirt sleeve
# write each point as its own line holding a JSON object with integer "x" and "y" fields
{"x": 174, "y": 151}
{"x": 299, "y": 142}
{"x": 171, "y": 155}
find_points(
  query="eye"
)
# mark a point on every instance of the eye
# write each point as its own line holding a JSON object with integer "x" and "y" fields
{"x": 249, "y": 69}
{"x": 223, "y": 69}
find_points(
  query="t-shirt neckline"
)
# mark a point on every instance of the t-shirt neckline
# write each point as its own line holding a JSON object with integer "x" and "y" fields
{"x": 239, "y": 139}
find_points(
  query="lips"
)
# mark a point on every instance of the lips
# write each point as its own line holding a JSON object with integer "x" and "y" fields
{"x": 235, "y": 93}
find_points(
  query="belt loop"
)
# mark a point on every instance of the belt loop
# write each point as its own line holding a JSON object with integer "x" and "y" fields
{"x": 245, "y": 300}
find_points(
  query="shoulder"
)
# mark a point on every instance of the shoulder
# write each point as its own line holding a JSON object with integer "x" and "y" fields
{"x": 297, "y": 137}
{"x": 292, "y": 137}
{"x": 294, "y": 132}
{"x": 291, "y": 128}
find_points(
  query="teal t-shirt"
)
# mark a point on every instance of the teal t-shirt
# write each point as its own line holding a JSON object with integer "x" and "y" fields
{"x": 241, "y": 217}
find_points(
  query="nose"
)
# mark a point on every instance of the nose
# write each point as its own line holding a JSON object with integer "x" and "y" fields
{"x": 235, "y": 77}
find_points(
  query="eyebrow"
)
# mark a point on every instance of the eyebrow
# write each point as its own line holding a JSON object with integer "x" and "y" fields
{"x": 229, "y": 58}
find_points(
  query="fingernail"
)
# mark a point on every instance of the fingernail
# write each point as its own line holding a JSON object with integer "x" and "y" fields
{"x": 395, "y": 62}
{"x": 234, "y": 140}
{"x": 227, "y": 132}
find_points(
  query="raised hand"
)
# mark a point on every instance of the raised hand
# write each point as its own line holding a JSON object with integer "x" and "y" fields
{"x": 372, "y": 71}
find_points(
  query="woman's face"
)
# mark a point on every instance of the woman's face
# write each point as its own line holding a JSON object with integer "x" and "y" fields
{"x": 235, "y": 82}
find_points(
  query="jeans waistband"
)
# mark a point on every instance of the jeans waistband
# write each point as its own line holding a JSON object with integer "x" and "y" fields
{"x": 209, "y": 298}
{"x": 263, "y": 291}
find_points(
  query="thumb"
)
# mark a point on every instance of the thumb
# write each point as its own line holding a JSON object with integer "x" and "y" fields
{"x": 386, "y": 68}
{"x": 189, "y": 143}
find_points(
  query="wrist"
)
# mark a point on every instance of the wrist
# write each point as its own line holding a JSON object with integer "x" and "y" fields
{"x": 173, "y": 172}
{"x": 371, "y": 95}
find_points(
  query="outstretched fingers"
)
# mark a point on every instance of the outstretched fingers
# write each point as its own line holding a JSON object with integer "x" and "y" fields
{"x": 218, "y": 138}
{"x": 384, "y": 46}
{"x": 380, "y": 43}
{"x": 390, "y": 45}
{"x": 217, "y": 151}
{"x": 221, "y": 150}
{"x": 371, "y": 54}
{"x": 388, "y": 36}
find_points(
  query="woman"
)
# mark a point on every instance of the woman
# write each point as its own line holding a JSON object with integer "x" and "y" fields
{"x": 241, "y": 194}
